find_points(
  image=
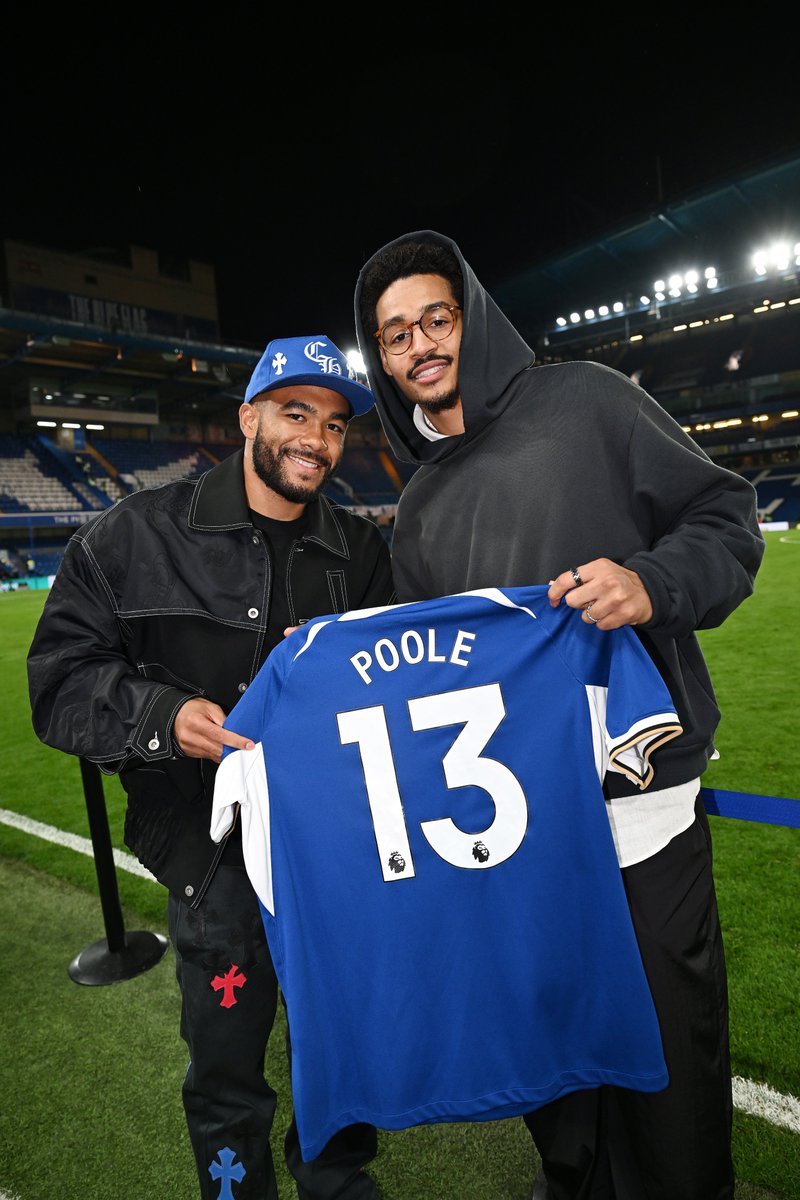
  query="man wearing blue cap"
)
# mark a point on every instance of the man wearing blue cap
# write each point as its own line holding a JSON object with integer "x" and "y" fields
{"x": 161, "y": 614}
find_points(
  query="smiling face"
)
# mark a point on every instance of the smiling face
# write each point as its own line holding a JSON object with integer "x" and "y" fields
{"x": 427, "y": 372}
{"x": 295, "y": 438}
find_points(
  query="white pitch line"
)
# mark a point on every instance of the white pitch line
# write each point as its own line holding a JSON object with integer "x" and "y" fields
{"x": 758, "y": 1099}
{"x": 125, "y": 862}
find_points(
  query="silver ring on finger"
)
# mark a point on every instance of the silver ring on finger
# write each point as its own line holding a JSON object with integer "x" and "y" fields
{"x": 588, "y": 611}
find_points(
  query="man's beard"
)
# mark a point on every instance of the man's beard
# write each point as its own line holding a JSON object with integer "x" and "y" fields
{"x": 271, "y": 471}
{"x": 438, "y": 404}
{"x": 441, "y": 403}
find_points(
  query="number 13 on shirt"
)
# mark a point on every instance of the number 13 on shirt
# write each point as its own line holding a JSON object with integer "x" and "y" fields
{"x": 480, "y": 710}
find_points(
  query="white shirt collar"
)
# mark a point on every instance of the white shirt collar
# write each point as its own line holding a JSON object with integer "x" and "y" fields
{"x": 425, "y": 427}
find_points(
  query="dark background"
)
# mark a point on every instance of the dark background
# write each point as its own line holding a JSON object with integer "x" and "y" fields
{"x": 285, "y": 158}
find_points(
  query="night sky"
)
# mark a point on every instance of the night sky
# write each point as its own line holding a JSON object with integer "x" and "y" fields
{"x": 285, "y": 163}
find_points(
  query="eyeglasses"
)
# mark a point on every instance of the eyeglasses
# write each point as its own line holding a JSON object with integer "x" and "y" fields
{"x": 436, "y": 323}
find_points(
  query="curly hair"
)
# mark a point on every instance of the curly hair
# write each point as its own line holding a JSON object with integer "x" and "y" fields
{"x": 400, "y": 260}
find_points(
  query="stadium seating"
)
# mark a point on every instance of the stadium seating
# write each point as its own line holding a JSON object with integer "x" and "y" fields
{"x": 142, "y": 463}
{"x": 778, "y": 491}
{"x": 29, "y": 484}
{"x": 364, "y": 470}
{"x": 706, "y": 365}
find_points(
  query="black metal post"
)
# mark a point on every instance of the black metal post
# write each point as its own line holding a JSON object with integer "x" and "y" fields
{"x": 119, "y": 955}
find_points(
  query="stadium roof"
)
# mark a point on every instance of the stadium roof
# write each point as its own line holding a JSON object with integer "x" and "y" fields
{"x": 724, "y": 224}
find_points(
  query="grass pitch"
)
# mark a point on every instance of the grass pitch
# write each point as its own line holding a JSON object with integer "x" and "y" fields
{"x": 91, "y": 1076}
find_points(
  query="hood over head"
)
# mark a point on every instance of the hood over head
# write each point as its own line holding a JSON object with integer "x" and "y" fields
{"x": 492, "y": 354}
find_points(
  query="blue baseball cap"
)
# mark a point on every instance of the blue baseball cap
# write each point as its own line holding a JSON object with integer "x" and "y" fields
{"x": 313, "y": 360}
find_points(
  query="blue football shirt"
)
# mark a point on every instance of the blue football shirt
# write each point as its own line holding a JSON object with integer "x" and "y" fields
{"x": 424, "y": 825}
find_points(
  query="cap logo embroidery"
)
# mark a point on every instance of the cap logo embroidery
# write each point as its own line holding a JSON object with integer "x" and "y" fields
{"x": 327, "y": 364}
{"x": 312, "y": 359}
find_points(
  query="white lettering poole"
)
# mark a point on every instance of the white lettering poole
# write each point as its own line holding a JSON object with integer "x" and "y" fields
{"x": 413, "y": 648}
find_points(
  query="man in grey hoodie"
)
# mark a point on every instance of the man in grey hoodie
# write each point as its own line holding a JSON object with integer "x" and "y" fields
{"x": 572, "y": 475}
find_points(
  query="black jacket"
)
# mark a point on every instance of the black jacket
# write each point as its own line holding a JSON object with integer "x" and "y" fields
{"x": 559, "y": 465}
{"x": 167, "y": 596}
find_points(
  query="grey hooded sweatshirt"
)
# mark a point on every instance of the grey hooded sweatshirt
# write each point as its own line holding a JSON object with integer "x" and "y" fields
{"x": 559, "y": 465}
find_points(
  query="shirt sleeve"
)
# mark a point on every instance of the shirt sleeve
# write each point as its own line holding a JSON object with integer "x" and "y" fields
{"x": 87, "y": 697}
{"x": 241, "y": 778}
{"x": 631, "y": 708}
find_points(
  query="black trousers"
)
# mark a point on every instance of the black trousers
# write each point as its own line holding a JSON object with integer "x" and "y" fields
{"x": 611, "y": 1143}
{"x": 229, "y": 997}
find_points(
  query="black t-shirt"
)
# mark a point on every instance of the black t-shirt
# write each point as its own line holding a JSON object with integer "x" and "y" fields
{"x": 280, "y": 536}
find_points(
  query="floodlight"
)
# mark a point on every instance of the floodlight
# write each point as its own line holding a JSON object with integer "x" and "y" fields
{"x": 356, "y": 360}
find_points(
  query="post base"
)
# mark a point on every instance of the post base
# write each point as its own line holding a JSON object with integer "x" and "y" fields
{"x": 98, "y": 965}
